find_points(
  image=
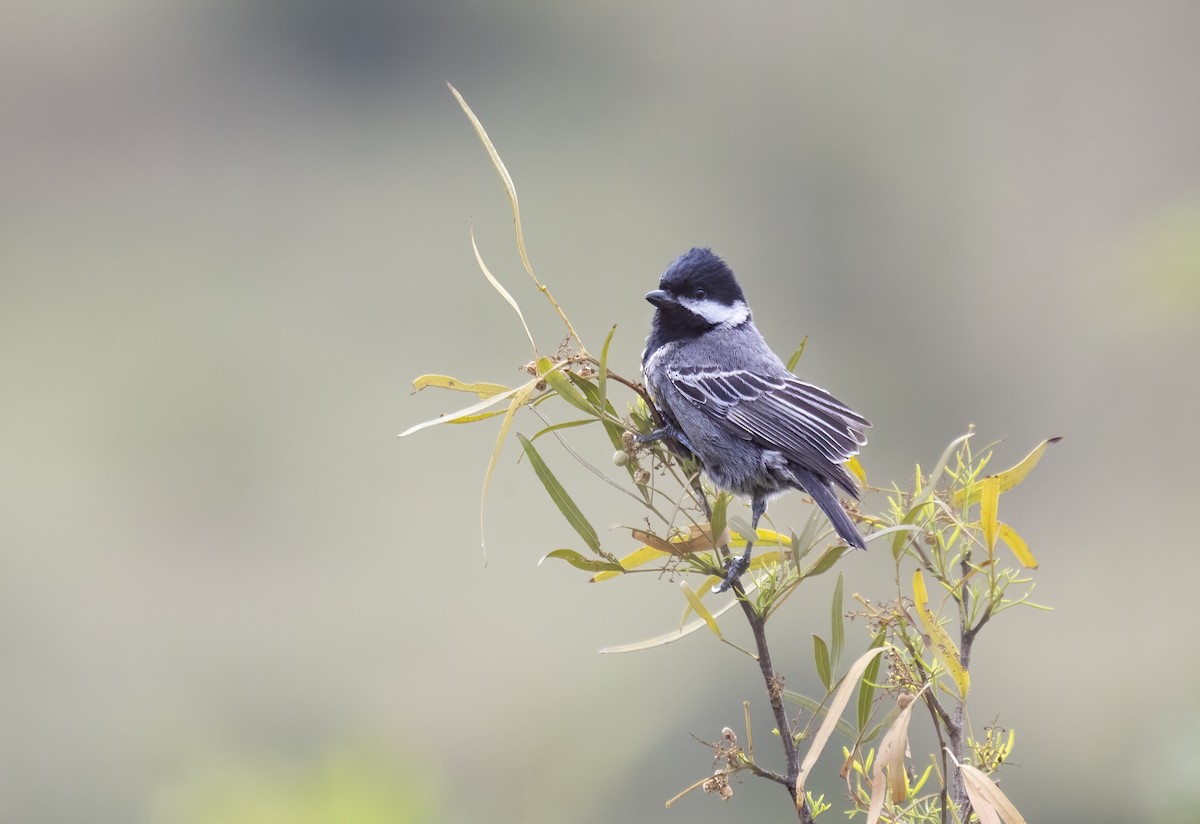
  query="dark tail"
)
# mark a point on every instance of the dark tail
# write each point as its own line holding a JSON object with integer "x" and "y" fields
{"x": 821, "y": 492}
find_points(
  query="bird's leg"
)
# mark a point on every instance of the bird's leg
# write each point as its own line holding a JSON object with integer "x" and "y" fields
{"x": 664, "y": 431}
{"x": 738, "y": 566}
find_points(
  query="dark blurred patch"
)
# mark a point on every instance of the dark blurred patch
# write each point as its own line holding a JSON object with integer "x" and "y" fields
{"x": 358, "y": 43}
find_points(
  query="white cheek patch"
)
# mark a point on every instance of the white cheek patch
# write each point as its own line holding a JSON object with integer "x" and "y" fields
{"x": 718, "y": 313}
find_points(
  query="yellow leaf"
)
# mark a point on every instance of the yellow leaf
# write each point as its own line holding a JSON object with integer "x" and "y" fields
{"x": 836, "y": 707}
{"x": 1018, "y": 546}
{"x": 946, "y": 651}
{"x": 766, "y": 537}
{"x": 698, "y": 607}
{"x": 481, "y": 388}
{"x": 633, "y": 560}
{"x": 482, "y": 416}
{"x": 856, "y": 468}
{"x": 470, "y": 413}
{"x": 1008, "y": 478}
{"x": 503, "y": 292}
{"x": 989, "y": 503}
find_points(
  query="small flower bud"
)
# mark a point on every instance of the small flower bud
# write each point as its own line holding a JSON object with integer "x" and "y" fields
{"x": 620, "y": 458}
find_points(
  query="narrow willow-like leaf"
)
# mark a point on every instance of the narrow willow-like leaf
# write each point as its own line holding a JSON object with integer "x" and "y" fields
{"x": 472, "y": 410}
{"x": 891, "y": 752}
{"x": 866, "y": 690}
{"x": 481, "y": 388}
{"x": 719, "y": 509}
{"x": 519, "y": 397}
{"x": 675, "y": 635}
{"x": 838, "y": 637}
{"x": 940, "y": 467}
{"x": 856, "y": 469}
{"x": 985, "y": 795}
{"x": 698, "y": 607}
{"x": 741, "y": 526}
{"x": 503, "y": 292}
{"x": 804, "y": 543}
{"x": 602, "y": 373}
{"x": 560, "y": 497}
{"x": 840, "y": 699}
{"x": 633, "y": 560}
{"x": 565, "y": 389}
{"x": 819, "y": 710}
{"x": 826, "y": 561}
{"x": 555, "y": 427}
{"x": 482, "y": 416}
{"x": 583, "y": 562}
{"x": 821, "y": 659}
{"x": 511, "y": 189}
{"x": 1007, "y": 479}
{"x": 1018, "y": 546}
{"x": 799, "y": 353}
{"x": 989, "y": 506}
{"x": 910, "y": 520}
{"x": 943, "y": 646}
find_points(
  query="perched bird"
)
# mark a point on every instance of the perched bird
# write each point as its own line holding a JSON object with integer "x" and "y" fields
{"x": 729, "y": 400}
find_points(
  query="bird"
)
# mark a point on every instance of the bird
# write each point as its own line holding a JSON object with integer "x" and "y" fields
{"x": 724, "y": 396}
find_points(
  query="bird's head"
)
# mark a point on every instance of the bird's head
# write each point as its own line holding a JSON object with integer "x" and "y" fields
{"x": 698, "y": 292}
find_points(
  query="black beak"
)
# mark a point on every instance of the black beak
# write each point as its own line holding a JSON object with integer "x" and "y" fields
{"x": 661, "y": 299}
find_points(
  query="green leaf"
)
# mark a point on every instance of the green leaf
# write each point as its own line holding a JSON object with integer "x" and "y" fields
{"x": 903, "y": 536}
{"x": 799, "y": 353}
{"x": 866, "y": 689}
{"x": 821, "y": 659}
{"x": 826, "y": 561}
{"x": 720, "y": 506}
{"x": 819, "y": 710}
{"x": 602, "y": 375}
{"x": 557, "y": 426}
{"x": 553, "y": 375}
{"x": 560, "y": 497}
{"x": 838, "y": 638}
{"x": 807, "y": 539}
{"x": 940, "y": 467}
{"x": 583, "y": 562}
{"x": 741, "y": 526}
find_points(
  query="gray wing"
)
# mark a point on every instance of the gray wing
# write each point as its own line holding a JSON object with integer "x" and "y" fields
{"x": 805, "y": 423}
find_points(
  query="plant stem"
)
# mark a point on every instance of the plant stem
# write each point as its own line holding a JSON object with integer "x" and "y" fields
{"x": 775, "y": 696}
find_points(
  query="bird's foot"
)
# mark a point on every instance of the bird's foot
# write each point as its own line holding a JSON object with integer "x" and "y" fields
{"x": 737, "y": 567}
{"x": 650, "y": 437}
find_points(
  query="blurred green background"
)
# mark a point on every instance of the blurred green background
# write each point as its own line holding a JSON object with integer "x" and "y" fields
{"x": 232, "y": 232}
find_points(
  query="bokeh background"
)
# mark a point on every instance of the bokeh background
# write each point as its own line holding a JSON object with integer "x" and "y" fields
{"x": 232, "y": 232}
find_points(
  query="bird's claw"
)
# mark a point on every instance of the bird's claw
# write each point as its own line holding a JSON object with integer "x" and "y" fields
{"x": 737, "y": 567}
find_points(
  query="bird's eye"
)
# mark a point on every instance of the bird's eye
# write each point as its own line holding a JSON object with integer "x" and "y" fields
{"x": 699, "y": 294}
